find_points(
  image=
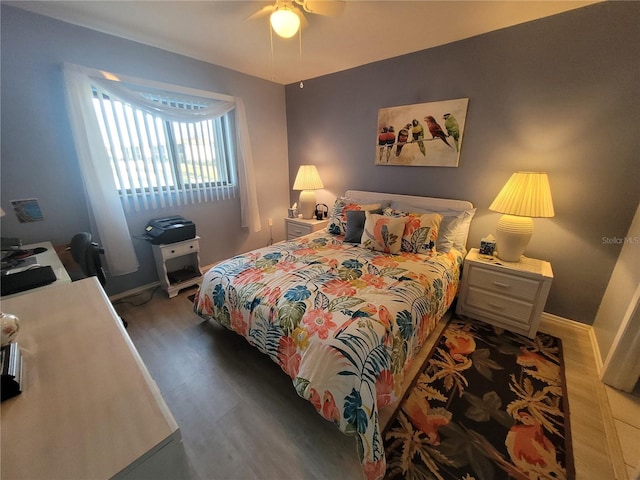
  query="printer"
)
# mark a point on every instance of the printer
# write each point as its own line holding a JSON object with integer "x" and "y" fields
{"x": 169, "y": 230}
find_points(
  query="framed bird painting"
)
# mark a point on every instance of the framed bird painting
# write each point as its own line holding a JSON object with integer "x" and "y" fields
{"x": 422, "y": 135}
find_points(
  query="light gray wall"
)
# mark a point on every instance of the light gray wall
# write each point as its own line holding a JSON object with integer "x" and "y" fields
{"x": 560, "y": 95}
{"x": 38, "y": 157}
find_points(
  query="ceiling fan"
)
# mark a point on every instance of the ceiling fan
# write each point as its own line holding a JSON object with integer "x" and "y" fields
{"x": 287, "y": 16}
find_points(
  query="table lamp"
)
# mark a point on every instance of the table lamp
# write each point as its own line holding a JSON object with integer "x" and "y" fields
{"x": 525, "y": 195}
{"x": 308, "y": 181}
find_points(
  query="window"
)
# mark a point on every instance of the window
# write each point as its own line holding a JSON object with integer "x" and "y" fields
{"x": 144, "y": 145}
{"x": 157, "y": 160}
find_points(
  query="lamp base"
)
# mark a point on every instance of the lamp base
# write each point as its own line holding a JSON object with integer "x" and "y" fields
{"x": 512, "y": 237}
{"x": 307, "y": 204}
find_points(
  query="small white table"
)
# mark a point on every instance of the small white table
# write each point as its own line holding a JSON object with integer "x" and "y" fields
{"x": 50, "y": 258}
{"x": 178, "y": 265}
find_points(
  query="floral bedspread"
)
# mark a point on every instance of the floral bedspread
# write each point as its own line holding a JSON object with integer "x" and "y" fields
{"x": 342, "y": 321}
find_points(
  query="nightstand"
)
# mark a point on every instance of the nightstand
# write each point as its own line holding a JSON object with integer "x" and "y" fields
{"x": 178, "y": 265}
{"x": 297, "y": 227}
{"x": 510, "y": 295}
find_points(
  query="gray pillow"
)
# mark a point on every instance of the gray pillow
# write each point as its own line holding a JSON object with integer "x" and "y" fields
{"x": 355, "y": 226}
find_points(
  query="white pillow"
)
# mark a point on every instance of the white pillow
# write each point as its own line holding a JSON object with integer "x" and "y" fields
{"x": 454, "y": 229}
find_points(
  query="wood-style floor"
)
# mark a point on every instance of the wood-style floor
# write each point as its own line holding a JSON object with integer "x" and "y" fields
{"x": 241, "y": 418}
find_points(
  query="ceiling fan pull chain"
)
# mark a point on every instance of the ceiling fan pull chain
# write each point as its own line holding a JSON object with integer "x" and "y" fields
{"x": 273, "y": 77}
{"x": 300, "y": 55}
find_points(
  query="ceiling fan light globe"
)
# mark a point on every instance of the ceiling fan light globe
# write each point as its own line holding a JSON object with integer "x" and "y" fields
{"x": 285, "y": 22}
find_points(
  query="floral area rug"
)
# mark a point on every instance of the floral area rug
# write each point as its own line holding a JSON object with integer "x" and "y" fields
{"x": 488, "y": 404}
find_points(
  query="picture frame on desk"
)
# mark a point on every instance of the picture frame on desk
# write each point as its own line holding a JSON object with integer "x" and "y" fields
{"x": 11, "y": 363}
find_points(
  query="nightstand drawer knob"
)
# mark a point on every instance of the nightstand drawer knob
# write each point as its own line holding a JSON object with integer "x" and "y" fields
{"x": 496, "y": 306}
{"x": 501, "y": 285}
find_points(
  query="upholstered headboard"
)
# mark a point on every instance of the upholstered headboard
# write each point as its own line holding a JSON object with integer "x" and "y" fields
{"x": 429, "y": 203}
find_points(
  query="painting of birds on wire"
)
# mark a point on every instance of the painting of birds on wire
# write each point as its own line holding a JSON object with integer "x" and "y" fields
{"x": 422, "y": 135}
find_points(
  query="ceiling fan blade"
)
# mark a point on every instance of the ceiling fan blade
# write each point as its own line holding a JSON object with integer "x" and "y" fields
{"x": 264, "y": 11}
{"x": 329, "y": 8}
{"x": 303, "y": 20}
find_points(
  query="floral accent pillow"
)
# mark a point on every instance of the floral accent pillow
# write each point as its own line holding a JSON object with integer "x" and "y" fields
{"x": 383, "y": 233}
{"x": 453, "y": 228}
{"x": 421, "y": 233}
{"x": 338, "y": 218}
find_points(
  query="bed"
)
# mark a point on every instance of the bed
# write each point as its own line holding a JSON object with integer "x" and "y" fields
{"x": 344, "y": 311}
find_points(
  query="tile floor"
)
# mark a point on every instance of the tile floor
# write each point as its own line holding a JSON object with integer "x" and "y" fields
{"x": 625, "y": 408}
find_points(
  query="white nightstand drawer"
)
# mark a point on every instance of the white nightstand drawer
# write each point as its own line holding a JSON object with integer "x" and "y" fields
{"x": 297, "y": 229}
{"x": 179, "y": 249}
{"x": 503, "y": 283}
{"x": 499, "y": 305}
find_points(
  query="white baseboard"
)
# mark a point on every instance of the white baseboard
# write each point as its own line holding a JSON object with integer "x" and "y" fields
{"x": 553, "y": 323}
{"x": 134, "y": 291}
{"x": 556, "y": 319}
{"x": 596, "y": 352}
{"x": 551, "y": 319}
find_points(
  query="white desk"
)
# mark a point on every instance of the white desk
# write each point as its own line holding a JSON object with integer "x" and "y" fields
{"x": 50, "y": 257}
{"x": 89, "y": 408}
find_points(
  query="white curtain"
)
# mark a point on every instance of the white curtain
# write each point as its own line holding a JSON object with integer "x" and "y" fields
{"x": 139, "y": 97}
{"x": 102, "y": 196}
{"x": 101, "y": 190}
{"x": 247, "y": 182}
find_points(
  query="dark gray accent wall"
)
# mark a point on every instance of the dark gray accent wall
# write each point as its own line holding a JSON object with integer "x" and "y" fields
{"x": 561, "y": 95}
{"x": 38, "y": 156}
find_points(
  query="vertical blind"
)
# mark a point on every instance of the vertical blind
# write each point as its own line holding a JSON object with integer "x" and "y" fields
{"x": 158, "y": 162}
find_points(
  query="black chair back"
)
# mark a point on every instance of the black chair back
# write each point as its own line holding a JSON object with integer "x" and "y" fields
{"x": 86, "y": 253}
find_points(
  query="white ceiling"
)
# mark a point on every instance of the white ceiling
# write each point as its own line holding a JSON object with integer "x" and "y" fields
{"x": 367, "y": 31}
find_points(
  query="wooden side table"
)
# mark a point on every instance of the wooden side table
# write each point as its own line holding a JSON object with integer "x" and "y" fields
{"x": 178, "y": 265}
{"x": 511, "y": 295}
{"x": 297, "y": 227}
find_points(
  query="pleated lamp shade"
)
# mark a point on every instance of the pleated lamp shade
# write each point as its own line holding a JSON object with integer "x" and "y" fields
{"x": 525, "y": 195}
{"x": 307, "y": 180}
